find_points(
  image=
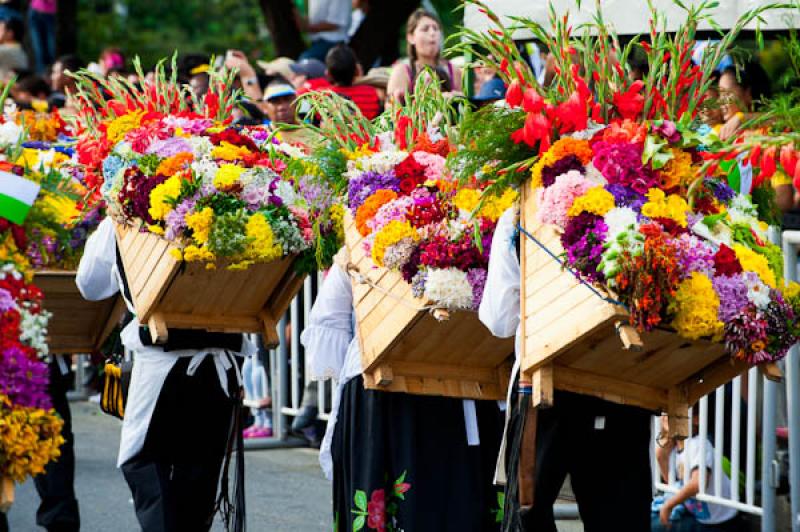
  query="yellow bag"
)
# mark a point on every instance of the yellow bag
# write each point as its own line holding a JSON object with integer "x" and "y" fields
{"x": 115, "y": 387}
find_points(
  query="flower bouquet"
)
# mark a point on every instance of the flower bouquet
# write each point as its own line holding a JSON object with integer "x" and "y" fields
{"x": 619, "y": 226}
{"x": 30, "y": 430}
{"x": 418, "y": 250}
{"x": 213, "y": 231}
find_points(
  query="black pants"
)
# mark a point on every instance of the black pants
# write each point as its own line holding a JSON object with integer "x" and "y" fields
{"x": 604, "y": 448}
{"x": 58, "y": 510}
{"x": 174, "y": 477}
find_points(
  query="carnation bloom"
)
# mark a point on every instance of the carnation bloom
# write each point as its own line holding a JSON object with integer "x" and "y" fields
{"x": 262, "y": 245}
{"x": 162, "y": 195}
{"x": 227, "y": 176}
{"x": 752, "y": 261}
{"x": 370, "y": 207}
{"x": 556, "y": 200}
{"x": 449, "y": 287}
{"x": 596, "y": 200}
{"x": 391, "y": 234}
{"x": 200, "y": 224}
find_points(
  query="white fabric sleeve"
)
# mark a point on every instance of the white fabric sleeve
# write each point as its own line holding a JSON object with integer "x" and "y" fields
{"x": 694, "y": 455}
{"x": 500, "y": 306}
{"x": 330, "y": 329}
{"x": 95, "y": 278}
{"x": 337, "y": 12}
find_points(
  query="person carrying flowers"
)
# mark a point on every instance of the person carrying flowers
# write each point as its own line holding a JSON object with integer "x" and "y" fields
{"x": 618, "y": 178}
{"x": 401, "y": 461}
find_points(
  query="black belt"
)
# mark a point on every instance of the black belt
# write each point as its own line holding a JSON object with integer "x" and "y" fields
{"x": 181, "y": 339}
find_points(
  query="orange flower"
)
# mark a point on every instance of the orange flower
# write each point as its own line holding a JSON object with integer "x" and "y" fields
{"x": 368, "y": 209}
{"x": 172, "y": 165}
{"x": 424, "y": 143}
{"x": 571, "y": 146}
{"x": 625, "y": 131}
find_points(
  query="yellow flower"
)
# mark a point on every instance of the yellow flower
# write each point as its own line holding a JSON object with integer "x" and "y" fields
{"x": 389, "y": 235}
{"x": 791, "y": 290}
{"x": 560, "y": 149}
{"x": 678, "y": 170}
{"x": 162, "y": 194}
{"x": 195, "y": 253}
{"x": 597, "y": 200}
{"x": 155, "y": 229}
{"x": 362, "y": 151}
{"x": 262, "y": 245}
{"x": 200, "y": 224}
{"x": 29, "y": 158}
{"x": 176, "y": 253}
{"x": 229, "y": 152}
{"x": 467, "y": 199}
{"x": 227, "y": 176}
{"x": 494, "y": 206}
{"x": 120, "y": 126}
{"x": 696, "y": 306}
{"x": 337, "y": 218}
{"x": 753, "y": 261}
{"x": 659, "y": 205}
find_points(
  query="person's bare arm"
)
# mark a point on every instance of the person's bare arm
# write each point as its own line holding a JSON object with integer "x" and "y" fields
{"x": 398, "y": 83}
{"x": 247, "y": 74}
{"x": 689, "y": 490}
{"x": 784, "y": 197}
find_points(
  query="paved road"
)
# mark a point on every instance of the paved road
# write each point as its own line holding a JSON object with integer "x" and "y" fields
{"x": 285, "y": 487}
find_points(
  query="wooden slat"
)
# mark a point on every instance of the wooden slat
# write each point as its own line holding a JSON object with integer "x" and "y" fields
{"x": 609, "y": 389}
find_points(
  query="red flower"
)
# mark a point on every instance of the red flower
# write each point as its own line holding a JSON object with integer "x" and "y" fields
{"x": 376, "y": 510}
{"x": 407, "y": 185}
{"x": 725, "y": 261}
{"x": 788, "y": 159}
{"x": 409, "y": 167}
{"x": 532, "y": 101}
{"x": 572, "y": 114}
{"x": 630, "y": 103}
{"x": 401, "y": 487}
{"x": 233, "y": 137}
{"x": 402, "y": 126}
{"x": 514, "y": 94}
{"x": 536, "y": 129}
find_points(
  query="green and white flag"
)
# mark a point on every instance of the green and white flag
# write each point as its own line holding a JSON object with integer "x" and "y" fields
{"x": 17, "y": 194}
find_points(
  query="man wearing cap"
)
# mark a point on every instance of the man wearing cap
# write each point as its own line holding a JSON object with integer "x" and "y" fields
{"x": 279, "y": 99}
{"x": 328, "y": 22}
{"x": 308, "y": 75}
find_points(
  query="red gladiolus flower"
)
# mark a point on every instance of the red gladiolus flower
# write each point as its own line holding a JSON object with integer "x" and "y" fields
{"x": 755, "y": 155}
{"x": 630, "y": 103}
{"x": 504, "y": 66}
{"x": 768, "y": 166}
{"x": 403, "y": 124}
{"x": 572, "y": 115}
{"x": 788, "y": 159}
{"x": 726, "y": 262}
{"x": 796, "y": 180}
{"x": 532, "y": 101}
{"x": 514, "y": 94}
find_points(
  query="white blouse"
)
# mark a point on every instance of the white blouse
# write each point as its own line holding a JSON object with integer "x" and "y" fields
{"x": 500, "y": 306}
{"x": 331, "y": 343}
{"x": 97, "y": 279}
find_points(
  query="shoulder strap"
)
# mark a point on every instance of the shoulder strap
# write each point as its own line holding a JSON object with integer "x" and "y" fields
{"x": 126, "y": 289}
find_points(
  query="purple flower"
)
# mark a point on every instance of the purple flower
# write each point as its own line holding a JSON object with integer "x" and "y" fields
{"x": 583, "y": 240}
{"x": 176, "y": 218}
{"x": 732, "y": 293}
{"x": 694, "y": 255}
{"x": 23, "y": 380}
{"x": 477, "y": 280}
{"x": 621, "y": 164}
{"x": 363, "y": 186}
{"x": 319, "y": 197}
{"x": 721, "y": 190}
{"x": 561, "y": 166}
{"x": 668, "y": 130}
{"x": 6, "y": 301}
{"x": 169, "y": 147}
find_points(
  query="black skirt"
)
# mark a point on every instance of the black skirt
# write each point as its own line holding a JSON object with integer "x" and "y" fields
{"x": 402, "y": 463}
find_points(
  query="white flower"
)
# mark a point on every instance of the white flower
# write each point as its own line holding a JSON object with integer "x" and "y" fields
{"x": 124, "y": 150}
{"x": 721, "y": 234}
{"x": 757, "y": 291}
{"x": 292, "y": 151}
{"x": 594, "y": 175}
{"x": 10, "y": 133}
{"x": 449, "y": 287}
{"x": 201, "y": 146}
{"x": 620, "y": 219}
{"x": 205, "y": 169}
{"x": 386, "y": 141}
{"x": 34, "y": 329}
{"x": 286, "y": 192}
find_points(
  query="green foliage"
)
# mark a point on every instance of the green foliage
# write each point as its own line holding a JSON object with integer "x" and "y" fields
{"x": 153, "y": 29}
{"x": 227, "y": 237}
{"x": 485, "y": 138}
{"x": 221, "y": 203}
{"x": 763, "y": 198}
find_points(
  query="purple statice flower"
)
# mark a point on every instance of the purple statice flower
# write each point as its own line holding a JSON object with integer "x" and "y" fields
{"x": 621, "y": 164}
{"x": 694, "y": 255}
{"x": 411, "y": 267}
{"x": 721, "y": 190}
{"x": 583, "y": 240}
{"x": 363, "y": 186}
{"x": 561, "y": 166}
{"x": 418, "y": 283}
{"x": 477, "y": 280}
{"x": 169, "y": 147}
{"x": 318, "y": 197}
{"x": 732, "y": 293}
{"x": 176, "y": 218}
{"x": 668, "y": 130}
{"x": 626, "y": 197}
{"x": 23, "y": 380}
{"x": 6, "y": 301}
